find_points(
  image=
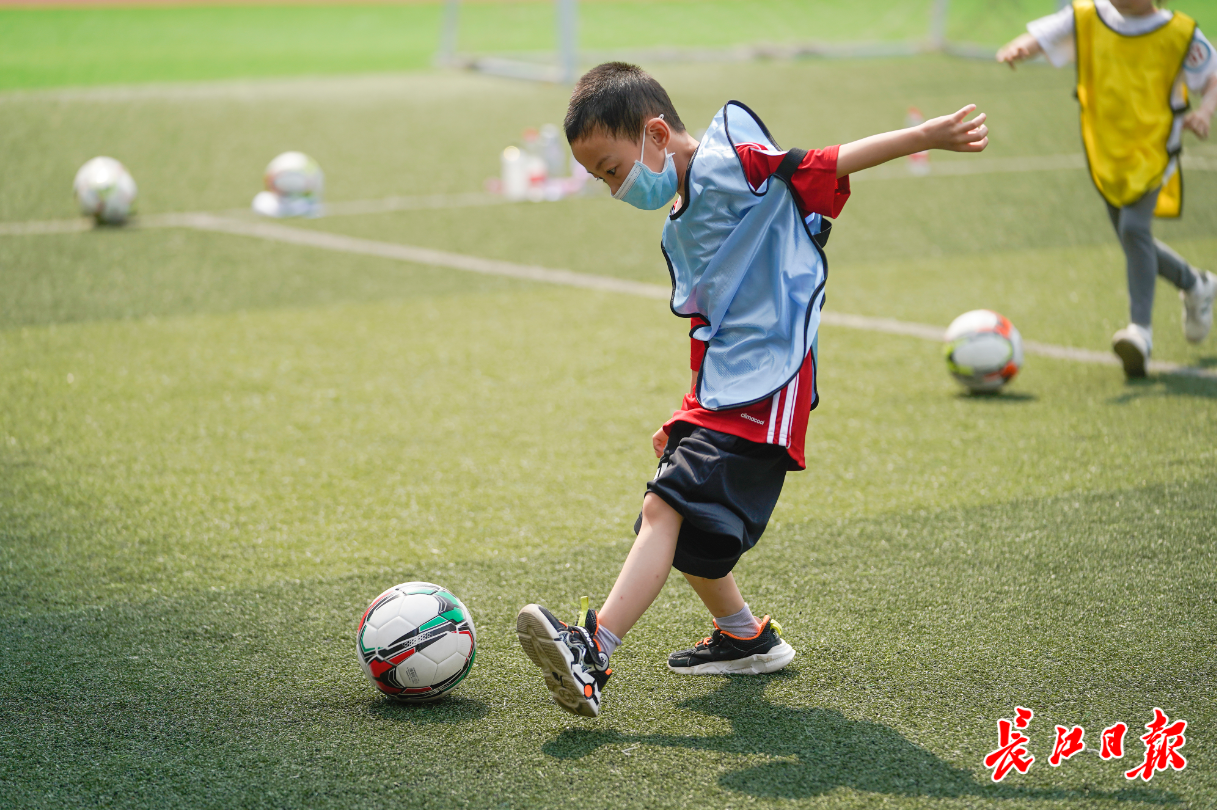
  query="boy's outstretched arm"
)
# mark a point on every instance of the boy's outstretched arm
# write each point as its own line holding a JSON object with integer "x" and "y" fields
{"x": 950, "y": 132}
{"x": 1016, "y": 50}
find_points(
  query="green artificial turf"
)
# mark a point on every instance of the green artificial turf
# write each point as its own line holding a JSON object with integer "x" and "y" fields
{"x": 214, "y": 451}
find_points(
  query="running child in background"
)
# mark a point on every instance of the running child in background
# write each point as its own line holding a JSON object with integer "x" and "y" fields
{"x": 744, "y": 247}
{"x": 1136, "y": 65}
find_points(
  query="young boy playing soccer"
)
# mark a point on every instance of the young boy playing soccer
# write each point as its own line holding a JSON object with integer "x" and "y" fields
{"x": 1136, "y": 64}
{"x": 744, "y": 247}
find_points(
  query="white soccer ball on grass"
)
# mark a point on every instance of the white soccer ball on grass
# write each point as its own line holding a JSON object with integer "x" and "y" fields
{"x": 105, "y": 190}
{"x": 295, "y": 185}
{"x": 416, "y": 642}
{"x": 983, "y": 349}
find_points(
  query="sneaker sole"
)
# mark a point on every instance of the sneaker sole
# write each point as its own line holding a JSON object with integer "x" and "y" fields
{"x": 1131, "y": 357}
{"x": 752, "y": 665}
{"x": 544, "y": 649}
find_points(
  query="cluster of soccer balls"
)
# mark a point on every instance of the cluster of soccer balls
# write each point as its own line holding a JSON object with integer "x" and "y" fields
{"x": 294, "y": 182}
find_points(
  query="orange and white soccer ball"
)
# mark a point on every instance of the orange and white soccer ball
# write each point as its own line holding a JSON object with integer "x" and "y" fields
{"x": 105, "y": 190}
{"x": 984, "y": 351}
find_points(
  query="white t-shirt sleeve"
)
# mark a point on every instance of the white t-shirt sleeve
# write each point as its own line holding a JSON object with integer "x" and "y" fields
{"x": 1054, "y": 33}
{"x": 1200, "y": 64}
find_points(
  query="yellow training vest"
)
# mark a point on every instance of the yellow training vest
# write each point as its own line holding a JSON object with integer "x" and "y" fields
{"x": 1128, "y": 123}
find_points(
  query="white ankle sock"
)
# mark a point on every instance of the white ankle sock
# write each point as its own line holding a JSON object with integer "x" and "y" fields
{"x": 608, "y": 641}
{"x": 742, "y": 624}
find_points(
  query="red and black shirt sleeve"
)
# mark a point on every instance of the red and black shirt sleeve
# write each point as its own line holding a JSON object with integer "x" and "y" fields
{"x": 815, "y": 185}
{"x": 697, "y": 348}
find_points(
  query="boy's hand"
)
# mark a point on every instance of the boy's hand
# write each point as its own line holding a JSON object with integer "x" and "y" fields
{"x": 950, "y": 132}
{"x": 954, "y": 134}
{"x": 1197, "y": 123}
{"x": 1018, "y": 49}
{"x": 659, "y": 441}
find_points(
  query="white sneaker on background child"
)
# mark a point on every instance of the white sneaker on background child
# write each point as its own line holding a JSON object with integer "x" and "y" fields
{"x": 1198, "y": 307}
{"x": 1133, "y": 345}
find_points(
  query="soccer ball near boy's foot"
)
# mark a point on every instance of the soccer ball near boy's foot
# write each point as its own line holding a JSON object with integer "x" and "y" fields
{"x": 724, "y": 654}
{"x": 573, "y": 664}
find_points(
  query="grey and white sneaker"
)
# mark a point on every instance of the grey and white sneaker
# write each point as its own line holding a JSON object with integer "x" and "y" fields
{"x": 571, "y": 660}
{"x": 722, "y": 653}
{"x": 1133, "y": 345}
{"x": 1198, "y": 307}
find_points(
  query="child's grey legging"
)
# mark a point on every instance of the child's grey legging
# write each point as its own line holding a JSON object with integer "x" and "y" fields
{"x": 1147, "y": 258}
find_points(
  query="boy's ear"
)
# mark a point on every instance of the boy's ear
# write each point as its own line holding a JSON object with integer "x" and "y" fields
{"x": 659, "y": 132}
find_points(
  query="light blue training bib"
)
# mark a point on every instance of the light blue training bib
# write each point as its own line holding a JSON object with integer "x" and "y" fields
{"x": 747, "y": 262}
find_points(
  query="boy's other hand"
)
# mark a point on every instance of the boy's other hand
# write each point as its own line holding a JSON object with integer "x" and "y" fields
{"x": 1020, "y": 48}
{"x": 1197, "y": 123}
{"x": 659, "y": 441}
{"x": 956, "y": 134}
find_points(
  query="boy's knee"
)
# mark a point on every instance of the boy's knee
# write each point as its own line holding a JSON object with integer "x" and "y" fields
{"x": 657, "y": 511}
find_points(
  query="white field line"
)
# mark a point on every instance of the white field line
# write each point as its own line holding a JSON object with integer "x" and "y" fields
{"x": 417, "y": 255}
{"x": 457, "y": 261}
{"x": 477, "y": 199}
{"x": 260, "y": 229}
{"x": 423, "y": 202}
{"x": 37, "y": 228}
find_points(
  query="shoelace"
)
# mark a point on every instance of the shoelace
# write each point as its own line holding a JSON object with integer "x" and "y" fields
{"x": 577, "y": 638}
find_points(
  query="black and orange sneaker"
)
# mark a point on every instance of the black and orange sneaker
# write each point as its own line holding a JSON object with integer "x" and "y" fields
{"x": 574, "y": 666}
{"x": 724, "y": 654}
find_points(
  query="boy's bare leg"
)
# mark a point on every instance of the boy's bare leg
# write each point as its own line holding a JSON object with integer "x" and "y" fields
{"x": 646, "y": 568}
{"x": 720, "y": 596}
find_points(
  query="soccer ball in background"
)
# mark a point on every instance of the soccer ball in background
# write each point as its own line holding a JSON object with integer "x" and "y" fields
{"x": 984, "y": 351}
{"x": 105, "y": 190}
{"x": 416, "y": 642}
{"x": 294, "y": 187}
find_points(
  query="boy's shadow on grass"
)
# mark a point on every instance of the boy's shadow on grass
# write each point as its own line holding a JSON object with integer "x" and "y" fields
{"x": 819, "y": 750}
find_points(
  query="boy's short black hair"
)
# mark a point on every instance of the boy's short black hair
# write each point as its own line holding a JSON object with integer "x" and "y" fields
{"x": 617, "y": 99}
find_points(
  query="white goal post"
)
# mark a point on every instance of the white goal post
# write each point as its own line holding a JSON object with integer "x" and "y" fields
{"x": 564, "y": 71}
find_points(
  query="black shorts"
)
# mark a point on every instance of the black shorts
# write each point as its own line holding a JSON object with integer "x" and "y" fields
{"x": 725, "y": 487}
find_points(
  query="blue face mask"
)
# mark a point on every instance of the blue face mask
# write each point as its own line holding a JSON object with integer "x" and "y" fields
{"x": 646, "y": 189}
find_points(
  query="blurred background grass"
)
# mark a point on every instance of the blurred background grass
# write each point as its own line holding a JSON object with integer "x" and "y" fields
{"x": 54, "y": 47}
